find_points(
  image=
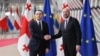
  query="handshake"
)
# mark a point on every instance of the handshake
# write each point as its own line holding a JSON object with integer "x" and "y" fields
{"x": 47, "y": 37}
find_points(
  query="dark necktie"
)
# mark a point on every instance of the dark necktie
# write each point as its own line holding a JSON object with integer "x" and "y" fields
{"x": 40, "y": 25}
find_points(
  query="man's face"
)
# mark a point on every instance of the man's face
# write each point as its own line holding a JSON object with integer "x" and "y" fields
{"x": 38, "y": 15}
{"x": 66, "y": 12}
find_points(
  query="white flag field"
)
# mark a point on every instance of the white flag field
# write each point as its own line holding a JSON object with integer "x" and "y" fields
{"x": 24, "y": 32}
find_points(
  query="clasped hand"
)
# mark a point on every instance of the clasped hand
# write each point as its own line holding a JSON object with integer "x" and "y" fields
{"x": 47, "y": 37}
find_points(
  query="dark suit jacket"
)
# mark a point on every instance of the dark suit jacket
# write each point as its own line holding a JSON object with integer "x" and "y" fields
{"x": 71, "y": 36}
{"x": 37, "y": 36}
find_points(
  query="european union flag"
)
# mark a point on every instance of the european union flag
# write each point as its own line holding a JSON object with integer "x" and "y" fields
{"x": 49, "y": 20}
{"x": 88, "y": 45}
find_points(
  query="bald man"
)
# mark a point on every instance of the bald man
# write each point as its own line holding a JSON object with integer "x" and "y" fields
{"x": 70, "y": 32}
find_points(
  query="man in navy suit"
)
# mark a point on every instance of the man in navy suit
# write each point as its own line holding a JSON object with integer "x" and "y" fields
{"x": 38, "y": 29}
{"x": 70, "y": 32}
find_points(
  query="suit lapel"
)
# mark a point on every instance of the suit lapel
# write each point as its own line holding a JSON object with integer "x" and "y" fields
{"x": 69, "y": 23}
{"x": 37, "y": 26}
{"x": 42, "y": 26}
{"x": 62, "y": 26}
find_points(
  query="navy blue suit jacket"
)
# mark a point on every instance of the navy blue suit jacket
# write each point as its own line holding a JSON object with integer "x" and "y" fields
{"x": 37, "y": 36}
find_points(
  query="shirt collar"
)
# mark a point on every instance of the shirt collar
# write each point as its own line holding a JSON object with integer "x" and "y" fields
{"x": 38, "y": 21}
{"x": 67, "y": 18}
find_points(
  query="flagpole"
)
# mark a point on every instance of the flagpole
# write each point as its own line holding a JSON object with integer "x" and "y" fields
{"x": 2, "y": 15}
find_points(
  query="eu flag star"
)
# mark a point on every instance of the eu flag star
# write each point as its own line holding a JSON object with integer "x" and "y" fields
{"x": 87, "y": 41}
{"x": 44, "y": 15}
{"x": 85, "y": 15}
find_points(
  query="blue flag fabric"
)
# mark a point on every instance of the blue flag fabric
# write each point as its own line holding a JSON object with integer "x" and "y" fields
{"x": 49, "y": 20}
{"x": 88, "y": 45}
{"x": 10, "y": 25}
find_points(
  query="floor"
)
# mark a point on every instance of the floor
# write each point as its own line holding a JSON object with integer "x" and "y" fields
{"x": 11, "y": 50}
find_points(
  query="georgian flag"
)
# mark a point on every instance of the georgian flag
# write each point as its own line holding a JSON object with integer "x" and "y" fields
{"x": 24, "y": 32}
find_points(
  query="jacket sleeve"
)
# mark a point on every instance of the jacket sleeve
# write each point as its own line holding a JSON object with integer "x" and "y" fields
{"x": 58, "y": 35}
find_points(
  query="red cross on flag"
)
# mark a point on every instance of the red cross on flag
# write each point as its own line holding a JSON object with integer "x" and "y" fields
{"x": 24, "y": 32}
{"x": 28, "y": 10}
{"x": 64, "y": 5}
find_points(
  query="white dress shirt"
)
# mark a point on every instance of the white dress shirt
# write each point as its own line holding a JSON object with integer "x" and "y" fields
{"x": 66, "y": 22}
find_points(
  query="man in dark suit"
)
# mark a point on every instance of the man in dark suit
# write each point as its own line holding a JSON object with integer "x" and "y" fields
{"x": 70, "y": 32}
{"x": 38, "y": 29}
